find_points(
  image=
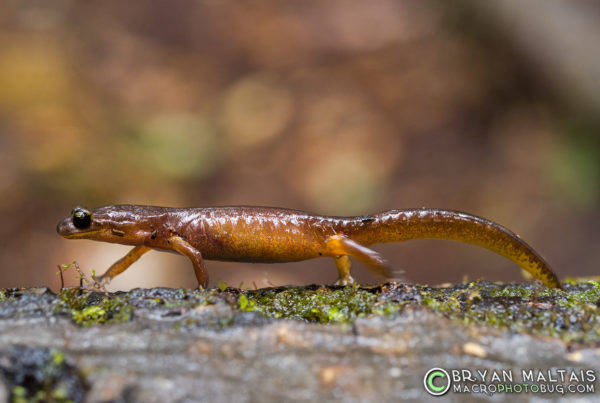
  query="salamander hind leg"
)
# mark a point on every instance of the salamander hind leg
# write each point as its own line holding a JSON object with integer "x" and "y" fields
{"x": 343, "y": 264}
{"x": 341, "y": 245}
{"x": 182, "y": 246}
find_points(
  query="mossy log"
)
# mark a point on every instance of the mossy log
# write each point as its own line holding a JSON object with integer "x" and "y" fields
{"x": 312, "y": 343}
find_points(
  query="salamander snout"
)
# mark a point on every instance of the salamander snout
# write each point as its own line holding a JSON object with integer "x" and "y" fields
{"x": 65, "y": 227}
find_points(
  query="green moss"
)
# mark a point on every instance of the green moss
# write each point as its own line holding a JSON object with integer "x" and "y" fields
{"x": 57, "y": 357}
{"x": 388, "y": 308}
{"x": 322, "y": 305}
{"x": 590, "y": 294}
{"x": 188, "y": 299}
{"x": 19, "y": 394}
{"x": 88, "y": 308}
{"x": 222, "y": 285}
{"x": 86, "y": 311}
{"x": 507, "y": 292}
{"x": 43, "y": 375}
{"x": 572, "y": 315}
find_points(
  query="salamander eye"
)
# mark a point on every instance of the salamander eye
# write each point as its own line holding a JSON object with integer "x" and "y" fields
{"x": 82, "y": 218}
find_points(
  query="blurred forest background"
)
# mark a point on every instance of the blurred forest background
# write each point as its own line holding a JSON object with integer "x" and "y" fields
{"x": 335, "y": 107}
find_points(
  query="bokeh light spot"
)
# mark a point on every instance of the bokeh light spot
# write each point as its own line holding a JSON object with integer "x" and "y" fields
{"x": 255, "y": 110}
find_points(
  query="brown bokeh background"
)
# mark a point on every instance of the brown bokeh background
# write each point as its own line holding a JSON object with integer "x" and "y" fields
{"x": 336, "y": 107}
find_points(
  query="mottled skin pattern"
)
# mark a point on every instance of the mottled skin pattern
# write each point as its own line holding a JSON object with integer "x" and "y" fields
{"x": 268, "y": 235}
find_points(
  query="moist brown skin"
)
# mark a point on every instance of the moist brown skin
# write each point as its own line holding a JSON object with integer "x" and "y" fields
{"x": 269, "y": 235}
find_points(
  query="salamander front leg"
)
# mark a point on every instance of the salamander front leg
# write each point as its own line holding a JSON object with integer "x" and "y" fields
{"x": 182, "y": 246}
{"x": 122, "y": 264}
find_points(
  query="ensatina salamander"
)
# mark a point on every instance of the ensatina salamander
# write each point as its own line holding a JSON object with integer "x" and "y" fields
{"x": 269, "y": 235}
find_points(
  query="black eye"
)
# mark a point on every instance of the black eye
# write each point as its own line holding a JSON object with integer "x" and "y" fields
{"x": 82, "y": 218}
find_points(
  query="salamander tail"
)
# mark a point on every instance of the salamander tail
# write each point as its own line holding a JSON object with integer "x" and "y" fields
{"x": 404, "y": 225}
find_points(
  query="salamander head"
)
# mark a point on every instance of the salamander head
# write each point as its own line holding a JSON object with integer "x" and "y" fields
{"x": 124, "y": 224}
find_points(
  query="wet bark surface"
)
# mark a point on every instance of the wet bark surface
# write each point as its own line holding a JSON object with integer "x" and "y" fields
{"x": 159, "y": 345}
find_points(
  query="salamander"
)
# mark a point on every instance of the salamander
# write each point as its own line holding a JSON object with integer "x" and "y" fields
{"x": 269, "y": 235}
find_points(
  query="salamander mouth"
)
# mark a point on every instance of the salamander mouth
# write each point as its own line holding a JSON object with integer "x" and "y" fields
{"x": 80, "y": 235}
{"x": 66, "y": 229}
